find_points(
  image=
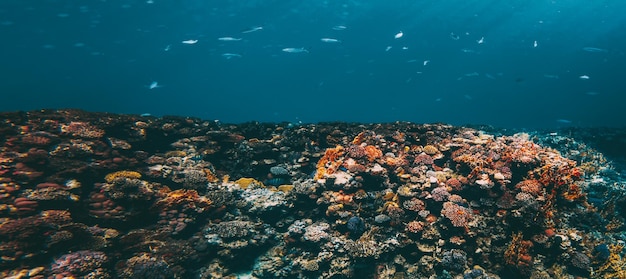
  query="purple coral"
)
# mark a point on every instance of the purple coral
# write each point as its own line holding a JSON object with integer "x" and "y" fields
{"x": 78, "y": 263}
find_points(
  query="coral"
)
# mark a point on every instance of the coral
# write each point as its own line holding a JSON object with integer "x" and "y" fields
{"x": 517, "y": 254}
{"x": 145, "y": 266}
{"x": 355, "y": 226}
{"x": 454, "y": 259}
{"x": 183, "y": 200}
{"x": 414, "y": 226}
{"x": 81, "y": 129}
{"x": 423, "y": 159}
{"x": 245, "y": 182}
{"x": 615, "y": 265}
{"x": 111, "y": 177}
{"x": 440, "y": 194}
{"x": 530, "y": 186}
{"x": 458, "y": 215}
{"x": 261, "y": 200}
{"x": 430, "y": 150}
{"x": 330, "y": 162}
{"x": 78, "y": 263}
{"x": 414, "y": 204}
{"x": 231, "y": 229}
{"x": 372, "y": 152}
{"x": 580, "y": 261}
{"x": 316, "y": 232}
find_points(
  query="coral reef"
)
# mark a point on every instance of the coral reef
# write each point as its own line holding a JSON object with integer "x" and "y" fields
{"x": 89, "y": 195}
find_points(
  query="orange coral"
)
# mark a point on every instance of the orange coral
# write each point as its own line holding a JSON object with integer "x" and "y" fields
{"x": 332, "y": 158}
{"x": 373, "y": 152}
{"x": 340, "y": 197}
{"x": 359, "y": 138}
{"x": 183, "y": 198}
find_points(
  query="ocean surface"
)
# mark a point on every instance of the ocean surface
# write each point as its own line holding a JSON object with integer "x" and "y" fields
{"x": 519, "y": 64}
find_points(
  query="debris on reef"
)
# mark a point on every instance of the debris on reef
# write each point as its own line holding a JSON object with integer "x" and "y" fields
{"x": 97, "y": 195}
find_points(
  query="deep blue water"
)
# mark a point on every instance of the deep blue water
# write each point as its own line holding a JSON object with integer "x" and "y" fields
{"x": 103, "y": 55}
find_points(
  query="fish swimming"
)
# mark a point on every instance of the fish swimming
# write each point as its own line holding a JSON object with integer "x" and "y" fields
{"x": 594, "y": 49}
{"x": 253, "y": 29}
{"x": 228, "y": 39}
{"x": 339, "y": 27}
{"x": 398, "y": 35}
{"x": 295, "y": 50}
{"x": 189, "y": 42}
{"x": 154, "y": 85}
{"x": 330, "y": 40}
{"x": 231, "y": 55}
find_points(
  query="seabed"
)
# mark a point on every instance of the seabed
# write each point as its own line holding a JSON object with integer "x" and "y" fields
{"x": 100, "y": 195}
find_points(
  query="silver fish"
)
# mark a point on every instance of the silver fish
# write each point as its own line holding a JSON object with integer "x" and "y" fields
{"x": 295, "y": 50}
{"x": 253, "y": 29}
{"x": 228, "y": 39}
{"x": 330, "y": 40}
{"x": 231, "y": 55}
{"x": 594, "y": 49}
{"x": 154, "y": 85}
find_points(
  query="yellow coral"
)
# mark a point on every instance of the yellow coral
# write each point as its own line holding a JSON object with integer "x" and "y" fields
{"x": 285, "y": 188}
{"x": 615, "y": 266}
{"x": 431, "y": 150}
{"x": 175, "y": 153}
{"x": 245, "y": 182}
{"x": 125, "y": 174}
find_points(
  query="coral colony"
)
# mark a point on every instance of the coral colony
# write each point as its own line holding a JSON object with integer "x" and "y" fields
{"x": 88, "y": 195}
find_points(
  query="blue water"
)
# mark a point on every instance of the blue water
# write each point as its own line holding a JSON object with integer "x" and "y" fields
{"x": 103, "y": 56}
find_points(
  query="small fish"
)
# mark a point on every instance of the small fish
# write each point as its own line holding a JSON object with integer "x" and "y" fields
{"x": 454, "y": 36}
{"x": 167, "y": 48}
{"x": 154, "y": 85}
{"x": 426, "y": 62}
{"x": 231, "y": 55}
{"x": 253, "y": 29}
{"x": 295, "y": 50}
{"x": 189, "y": 42}
{"x": 228, "y": 39}
{"x": 584, "y": 77}
{"x": 594, "y": 49}
{"x": 339, "y": 27}
{"x": 535, "y": 44}
{"x": 398, "y": 35}
{"x": 330, "y": 40}
{"x": 473, "y": 74}
{"x": 466, "y": 50}
{"x": 482, "y": 40}
{"x": 387, "y": 48}
{"x": 489, "y": 76}
{"x": 145, "y": 114}
{"x": 564, "y": 121}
